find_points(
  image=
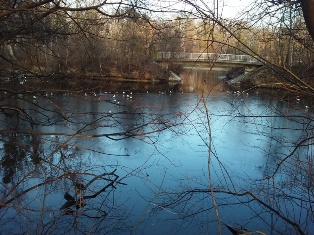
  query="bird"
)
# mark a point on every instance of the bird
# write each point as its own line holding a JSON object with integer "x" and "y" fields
{"x": 71, "y": 202}
{"x": 68, "y": 197}
{"x": 236, "y": 231}
{"x": 68, "y": 204}
{"x": 79, "y": 186}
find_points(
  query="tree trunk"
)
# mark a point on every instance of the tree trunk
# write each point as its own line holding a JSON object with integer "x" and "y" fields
{"x": 308, "y": 10}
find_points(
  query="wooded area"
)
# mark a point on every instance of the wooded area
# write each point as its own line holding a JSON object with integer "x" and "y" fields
{"x": 102, "y": 38}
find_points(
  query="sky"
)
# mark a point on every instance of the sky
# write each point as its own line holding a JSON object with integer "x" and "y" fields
{"x": 226, "y": 8}
{"x": 233, "y": 8}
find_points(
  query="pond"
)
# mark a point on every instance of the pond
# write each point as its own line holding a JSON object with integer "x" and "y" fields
{"x": 187, "y": 159}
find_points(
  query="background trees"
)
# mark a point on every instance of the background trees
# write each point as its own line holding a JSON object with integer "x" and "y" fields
{"x": 48, "y": 36}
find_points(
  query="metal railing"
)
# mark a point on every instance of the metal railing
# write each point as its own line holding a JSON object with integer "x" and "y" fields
{"x": 207, "y": 57}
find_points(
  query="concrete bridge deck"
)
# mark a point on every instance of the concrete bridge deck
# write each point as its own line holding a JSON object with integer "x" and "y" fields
{"x": 208, "y": 59}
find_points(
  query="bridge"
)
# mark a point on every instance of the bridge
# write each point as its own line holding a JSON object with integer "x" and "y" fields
{"x": 208, "y": 60}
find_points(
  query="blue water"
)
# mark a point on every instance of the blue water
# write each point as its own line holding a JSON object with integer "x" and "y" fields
{"x": 173, "y": 151}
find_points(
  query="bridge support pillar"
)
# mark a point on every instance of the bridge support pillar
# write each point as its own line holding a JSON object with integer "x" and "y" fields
{"x": 248, "y": 69}
{"x": 164, "y": 65}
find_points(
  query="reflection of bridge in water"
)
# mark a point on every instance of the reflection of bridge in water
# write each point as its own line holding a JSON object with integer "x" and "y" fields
{"x": 198, "y": 80}
{"x": 208, "y": 60}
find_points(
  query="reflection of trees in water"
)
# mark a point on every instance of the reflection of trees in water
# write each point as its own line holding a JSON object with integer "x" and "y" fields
{"x": 56, "y": 193}
{"x": 18, "y": 151}
{"x": 56, "y": 183}
{"x": 11, "y": 159}
{"x": 280, "y": 200}
{"x": 280, "y": 204}
{"x": 51, "y": 180}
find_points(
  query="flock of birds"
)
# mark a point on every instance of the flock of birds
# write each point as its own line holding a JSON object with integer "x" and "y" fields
{"x": 116, "y": 98}
{"x": 21, "y": 78}
{"x": 297, "y": 99}
{"x": 113, "y": 96}
{"x": 127, "y": 94}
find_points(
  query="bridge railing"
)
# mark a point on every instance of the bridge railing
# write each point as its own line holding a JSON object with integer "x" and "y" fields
{"x": 206, "y": 57}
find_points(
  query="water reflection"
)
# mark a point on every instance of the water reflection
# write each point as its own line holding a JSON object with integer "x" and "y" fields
{"x": 200, "y": 80}
{"x": 106, "y": 163}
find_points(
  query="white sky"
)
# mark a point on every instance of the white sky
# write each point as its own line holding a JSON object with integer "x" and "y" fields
{"x": 233, "y": 8}
{"x": 226, "y": 8}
